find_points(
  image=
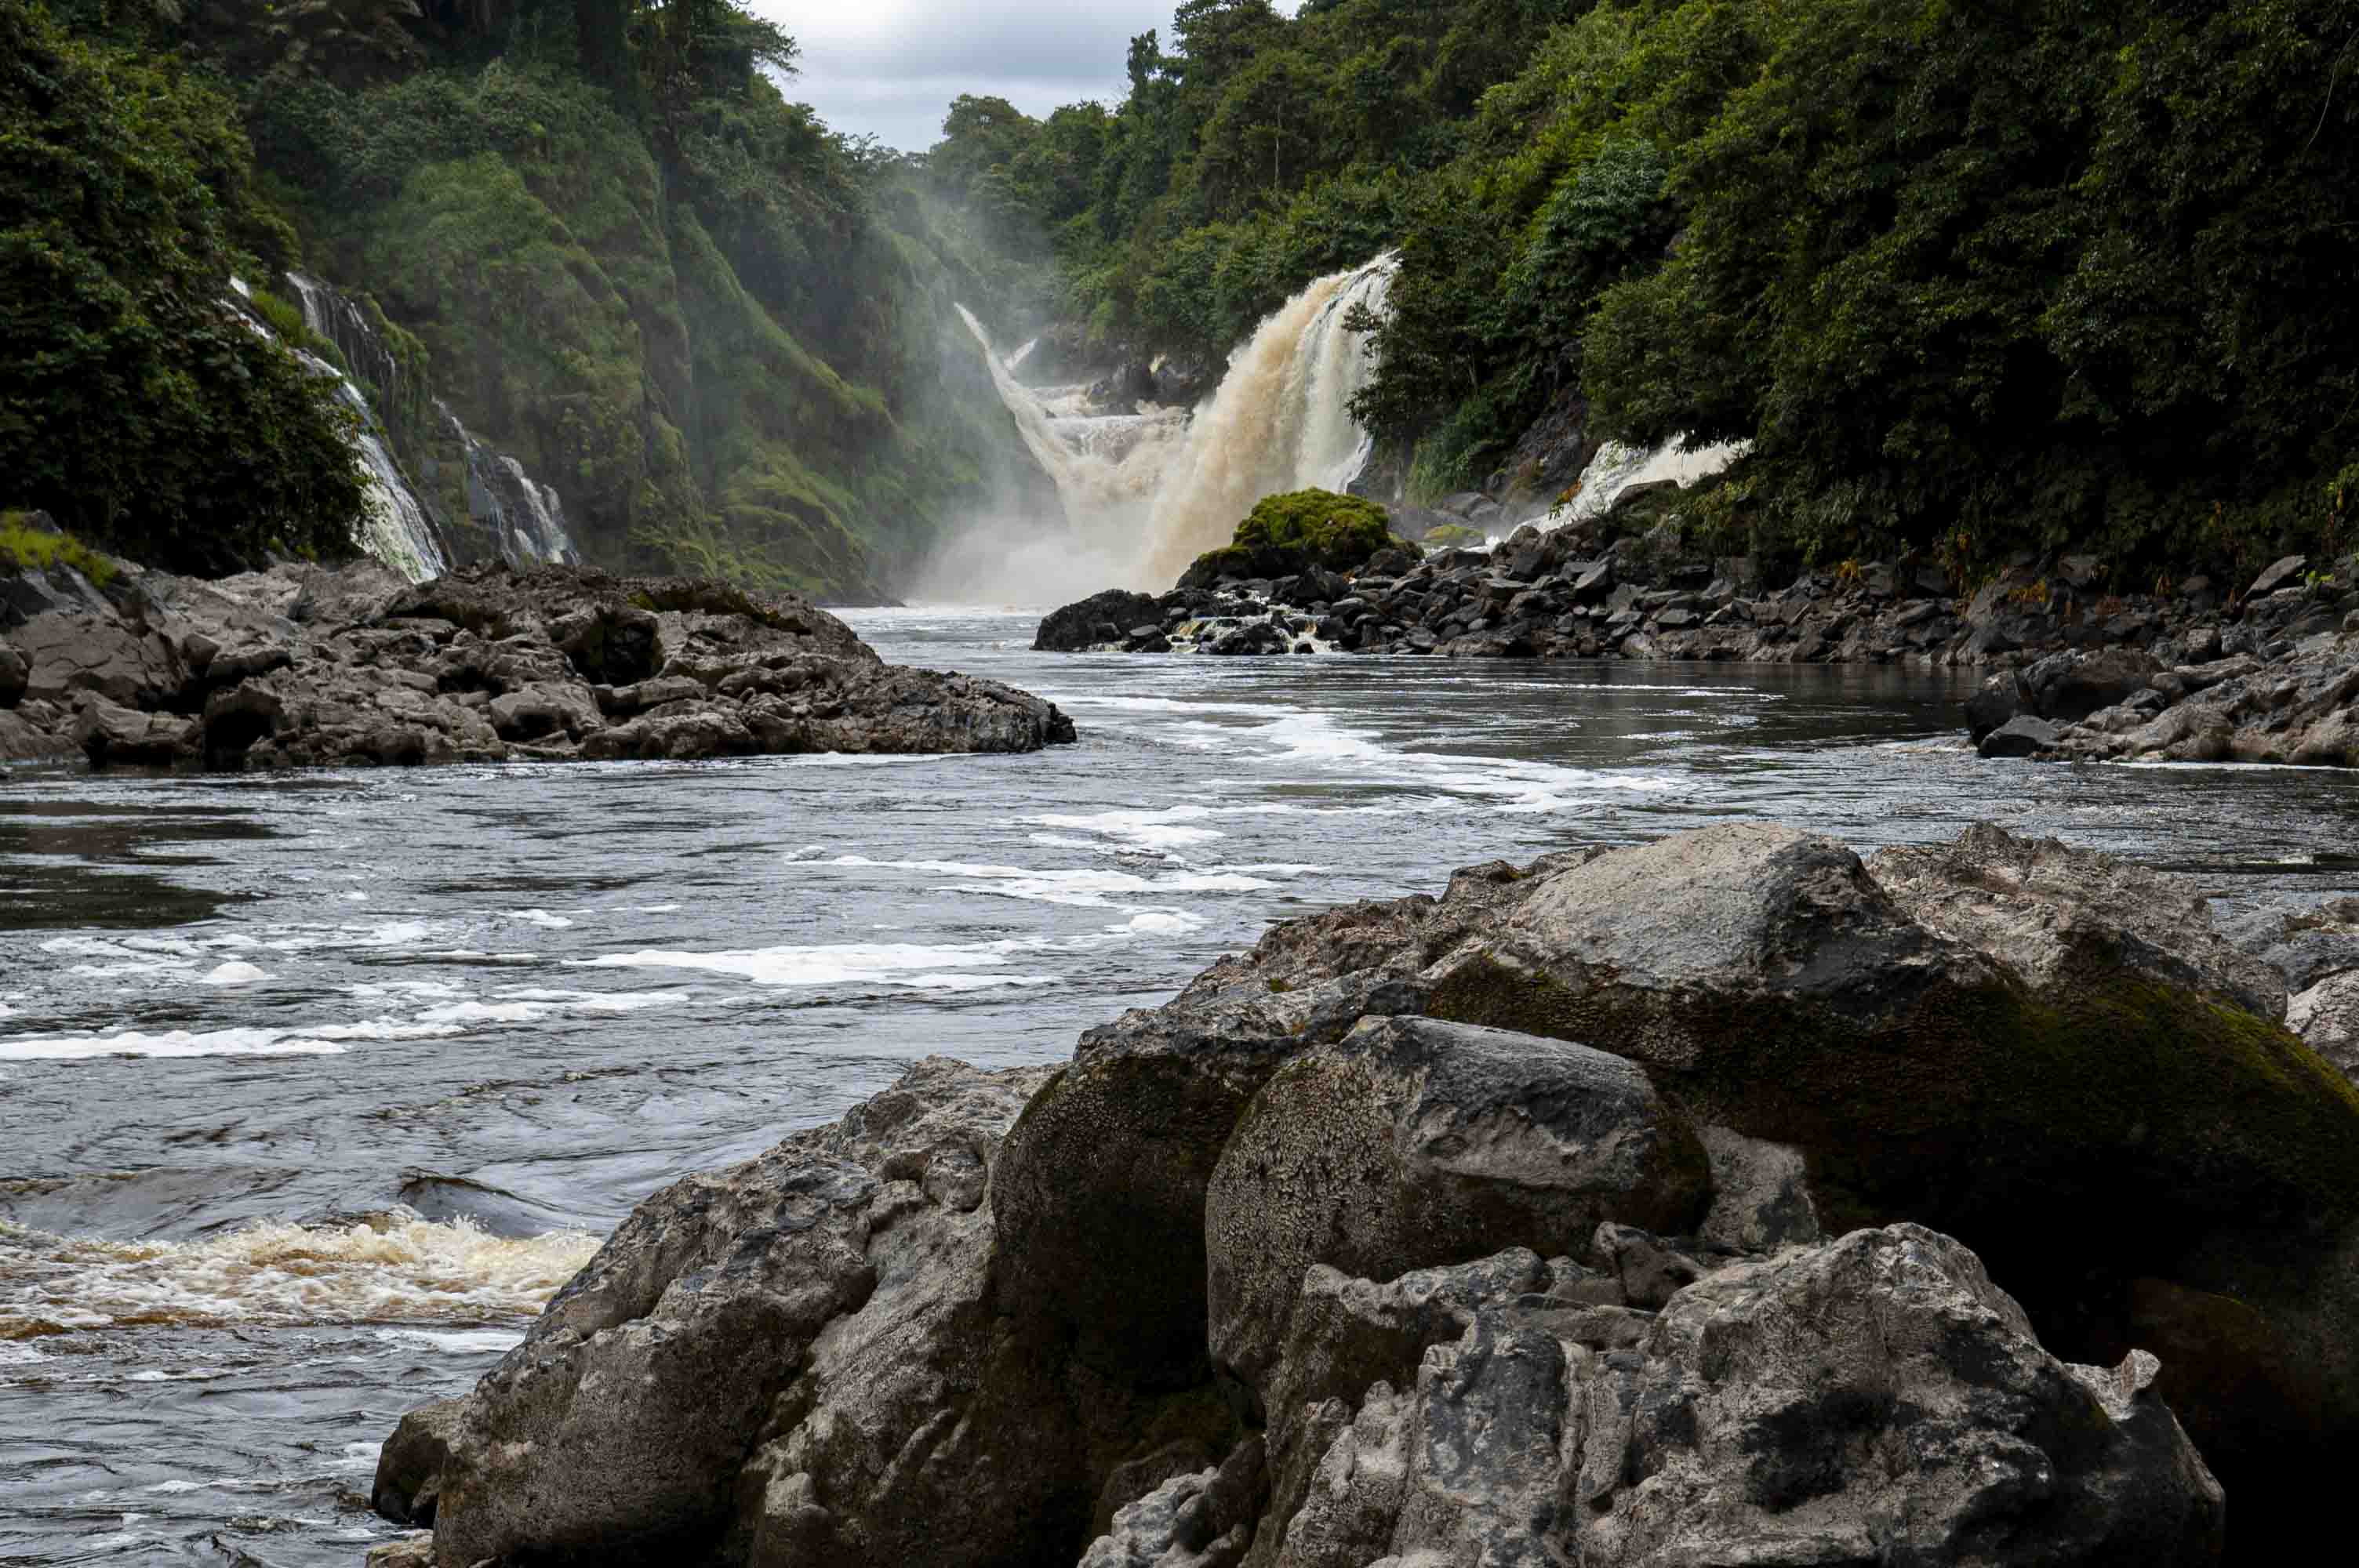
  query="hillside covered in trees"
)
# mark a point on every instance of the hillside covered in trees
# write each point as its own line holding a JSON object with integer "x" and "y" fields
{"x": 1972, "y": 280}
{"x": 597, "y": 229}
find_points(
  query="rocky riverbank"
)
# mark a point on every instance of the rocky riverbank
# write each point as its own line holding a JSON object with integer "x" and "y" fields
{"x": 1725, "y": 1198}
{"x": 306, "y": 665}
{"x": 1628, "y": 586}
{"x": 2278, "y": 684}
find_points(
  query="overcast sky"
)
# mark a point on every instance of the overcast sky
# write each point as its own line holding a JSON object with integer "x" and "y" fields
{"x": 890, "y": 68}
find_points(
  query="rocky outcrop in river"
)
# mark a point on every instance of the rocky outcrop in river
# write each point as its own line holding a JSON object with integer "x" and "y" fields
{"x": 302, "y": 665}
{"x": 1727, "y": 1198}
{"x": 1631, "y": 586}
{"x": 2279, "y": 685}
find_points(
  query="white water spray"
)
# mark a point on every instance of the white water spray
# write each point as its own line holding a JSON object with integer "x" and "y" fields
{"x": 1145, "y": 493}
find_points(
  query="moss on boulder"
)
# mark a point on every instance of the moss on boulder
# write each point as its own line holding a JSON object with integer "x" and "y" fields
{"x": 1295, "y": 532}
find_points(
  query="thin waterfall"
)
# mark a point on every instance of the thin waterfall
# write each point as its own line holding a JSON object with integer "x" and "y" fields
{"x": 1615, "y": 469}
{"x": 523, "y": 520}
{"x": 396, "y": 527}
{"x": 1145, "y": 493}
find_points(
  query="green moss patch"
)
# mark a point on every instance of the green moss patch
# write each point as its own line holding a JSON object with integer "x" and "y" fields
{"x": 1294, "y": 532}
{"x": 23, "y": 547}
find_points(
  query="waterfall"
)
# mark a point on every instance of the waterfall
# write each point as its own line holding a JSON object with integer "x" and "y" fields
{"x": 1615, "y": 468}
{"x": 525, "y": 519}
{"x": 1145, "y": 493}
{"x": 396, "y": 527}
{"x": 1281, "y": 420}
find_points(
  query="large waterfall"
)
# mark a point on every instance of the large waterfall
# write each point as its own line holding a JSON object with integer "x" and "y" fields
{"x": 1145, "y": 493}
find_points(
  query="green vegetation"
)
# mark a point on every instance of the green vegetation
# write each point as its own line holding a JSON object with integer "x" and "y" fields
{"x": 597, "y": 229}
{"x": 23, "y": 547}
{"x": 1971, "y": 284}
{"x": 136, "y": 407}
{"x": 1294, "y": 532}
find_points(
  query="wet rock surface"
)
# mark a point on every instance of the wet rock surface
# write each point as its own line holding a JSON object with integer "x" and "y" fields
{"x": 2269, "y": 676}
{"x": 1723, "y": 1199}
{"x": 302, "y": 665}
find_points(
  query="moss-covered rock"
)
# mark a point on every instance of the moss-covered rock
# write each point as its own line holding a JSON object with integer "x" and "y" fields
{"x": 1293, "y": 532}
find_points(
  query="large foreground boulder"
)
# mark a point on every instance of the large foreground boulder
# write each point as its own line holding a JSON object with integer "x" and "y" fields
{"x": 2051, "y": 1057}
{"x": 1579, "y": 1214}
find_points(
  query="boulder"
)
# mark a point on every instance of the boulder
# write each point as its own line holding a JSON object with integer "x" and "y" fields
{"x": 1077, "y": 626}
{"x": 1773, "y": 991}
{"x": 797, "y": 1354}
{"x": 68, "y": 655}
{"x": 1409, "y": 1141}
{"x": 1870, "y": 1399}
{"x": 2059, "y": 916}
{"x": 1100, "y": 1200}
{"x": 14, "y": 675}
{"x": 2022, "y": 736}
{"x": 410, "y": 1468}
{"x": 2326, "y": 1016}
{"x": 2282, "y": 573}
{"x": 112, "y": 736}
{"x": 2068, "y": 688}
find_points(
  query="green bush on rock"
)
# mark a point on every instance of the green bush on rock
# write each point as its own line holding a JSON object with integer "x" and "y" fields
{"x": 1294, "y": 532}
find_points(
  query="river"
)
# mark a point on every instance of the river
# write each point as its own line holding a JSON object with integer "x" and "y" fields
{"x": 313, "y": 1086}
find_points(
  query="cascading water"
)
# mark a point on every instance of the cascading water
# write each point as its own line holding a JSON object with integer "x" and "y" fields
{"x": 1281, "y": 420}
{"x": 524, "y": 521}
{"x": 1615, "y": 469}
{"x": 1145, "y": 493}
{"x": 396, "y": 527}
{"x": 525, "y": 518}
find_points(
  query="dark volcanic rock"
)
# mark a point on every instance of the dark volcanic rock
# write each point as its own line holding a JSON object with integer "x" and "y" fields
{"x": 748, "y": 1354}
{"x": 2022, "y": 736}
{"x": 1101, "y": 618}
{"x": 299, "y": 666}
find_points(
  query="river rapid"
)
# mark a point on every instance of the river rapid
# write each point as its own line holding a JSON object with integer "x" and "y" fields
{"x": 314, "y": 1087}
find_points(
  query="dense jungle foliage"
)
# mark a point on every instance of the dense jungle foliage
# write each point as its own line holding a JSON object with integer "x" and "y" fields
{"x": 134, "y": 407}
{"x": 1973, "y": 280}
{"x": 600, "y": 233}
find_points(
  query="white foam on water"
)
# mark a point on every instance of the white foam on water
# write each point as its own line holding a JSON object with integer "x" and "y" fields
{"x": 1083, "y": 888}
{"x": 1160, "y": 923}
{"x": 862, "y": 963}
{"x": 461, "y": 1340}
{"x": 1174, "y": 828}
{"x": 233, "y": 973}
{"x": 1516, "y": 785}
{"x": 178, "y": 1042}
{"x": 599, "y": 1001}
{"x": 281, "y": 1274}
{"x": 541, "y": 918}
{"x": 424, "y": 990}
